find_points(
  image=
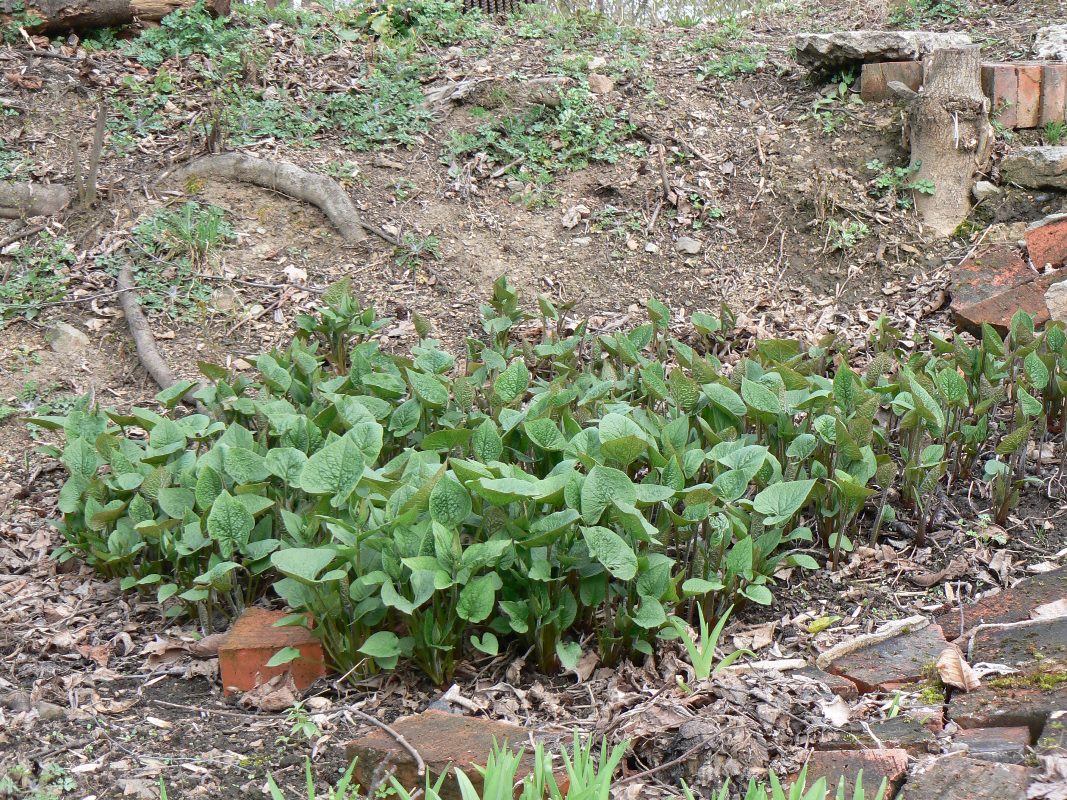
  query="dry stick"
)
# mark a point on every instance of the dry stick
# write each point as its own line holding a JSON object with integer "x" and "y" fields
{"x": 147, "y": 351}
{"x": 88, "y": 189}
{"x": 400, "y": 740}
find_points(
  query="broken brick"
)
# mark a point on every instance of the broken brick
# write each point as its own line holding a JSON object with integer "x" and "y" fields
{"x": 876, "y": 766}
{"x": 840, "y": 686}
{"x": 901, "y": 732}
{"x": 992, "y": 285}
{"x": 1053, "y": 93}
{"x": 1046, "y": 241}
{"x": 892, "y": 663}
{"x": 1010, "y": 605}
{"x": 875, "y": 78}
{"x": 1037, "y": 651}
{"x": 444, "y": 741}
{"x": 1000, "y": 82}
{"x": 956, "y": 777}
{"x": 1004, "y": 745}
{"x": 1029, "y": 113}
{"x": 253, "y": 641}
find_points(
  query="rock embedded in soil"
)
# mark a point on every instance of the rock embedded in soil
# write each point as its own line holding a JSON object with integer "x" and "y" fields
{"x": 687, "y": 245}
{"x": 1050, "y": 43}
{"x": 876, "y": 766}
{"x": 444, "y": 741}
{"x": 253, "y": 641}
{"x": 65, "y": 339}
{"x": 956, "y": 777}
{"x": 888, "y": 665}
{"x": 1003, "y": 745}
{"x": 1011, "y": 605}
{"x": 1046, "y": 242}
{"x": 1036, "y": 167}
{"x": 984, "y": 190}
{"x": 828, "y": 51}
{"x": 600, "y": 84}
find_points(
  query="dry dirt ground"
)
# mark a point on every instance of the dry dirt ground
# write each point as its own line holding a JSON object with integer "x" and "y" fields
{"x": 750, "y": 145}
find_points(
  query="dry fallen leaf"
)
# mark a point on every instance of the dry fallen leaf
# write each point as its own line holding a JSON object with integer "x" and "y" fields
{"x": 837, "y": 711}
{"x": 277, "y": 694}
{"x": 954, "y": 671}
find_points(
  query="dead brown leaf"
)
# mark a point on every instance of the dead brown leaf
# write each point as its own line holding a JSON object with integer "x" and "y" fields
{"x": 956, "y": 672}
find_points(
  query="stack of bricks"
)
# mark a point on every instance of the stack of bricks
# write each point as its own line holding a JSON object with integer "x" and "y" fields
{"x": 1022, "y": 95}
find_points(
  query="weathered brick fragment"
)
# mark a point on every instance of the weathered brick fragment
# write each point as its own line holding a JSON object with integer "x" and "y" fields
{"x": 253, "y": 641}
{"x": 960, "y": 778}
{"x": 876, "y": 765}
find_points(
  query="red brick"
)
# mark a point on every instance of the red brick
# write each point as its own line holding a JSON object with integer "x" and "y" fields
{"x": 1046, "y": 241}
{"x": 998, "y": 707}
{"x": 252, "y": 642}
{"x": 893, "y": 663}
{"x": 957, "y": 777}
{"x": 1053, "y": 93}
{"x": 842, "y": 687}
{"x": 1001, "y": 85}
{"x": 875, "y": 78}
{"x": 876, "y": 765}
{"x": 1010, "y": 605}
{"x": 1029, "y": 115}
{"x": 1006, "y": 745}
{"x": 991, "y": 286}
{"x": 445, "y": 742}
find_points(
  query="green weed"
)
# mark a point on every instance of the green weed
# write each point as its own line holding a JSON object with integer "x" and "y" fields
{"x": 844, "y": 236}
{"x": 920, "y": 13}
{"x": 36, "y": 273}
{"x": 734, "y": 64}
{"x": 898, "y": 182}
{"x": 1055, "y": 132}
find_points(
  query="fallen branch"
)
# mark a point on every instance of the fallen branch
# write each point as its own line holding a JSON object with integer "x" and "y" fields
{"x": 143, "y": 339}
{"x": 289, "y": 179}
{"x": 20, "y": 200}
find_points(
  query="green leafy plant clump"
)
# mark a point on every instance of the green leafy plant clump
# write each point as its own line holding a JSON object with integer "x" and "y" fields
{"x": 580, "y": 490}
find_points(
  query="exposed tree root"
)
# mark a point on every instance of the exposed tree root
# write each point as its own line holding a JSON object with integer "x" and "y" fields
{"x": 143, "y": 339}
{"x": 19, "y": 200}
{"x": 289, "y": 179}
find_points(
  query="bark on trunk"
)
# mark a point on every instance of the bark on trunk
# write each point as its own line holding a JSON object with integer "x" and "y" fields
{"x": 53, "y": 16}
{"x": 18, "y": 200}
{"x": 950, "y": 136}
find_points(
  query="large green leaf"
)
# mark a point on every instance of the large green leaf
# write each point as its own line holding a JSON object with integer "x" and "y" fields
{"x": 512, "y": 383}
{"x": 229, "y": 523}
{"x": 477, "y": 598}
{"x": 334, "y": 470}
{"x": 601, "y": 487}
{"x": 544, "y": 433}
{"x": 449, "y": 502}
{"x": 303, "y": 564}
{"x": 621, "y": 438}
{"x": 780, "y": 501}
{"x": 612, "y": 551}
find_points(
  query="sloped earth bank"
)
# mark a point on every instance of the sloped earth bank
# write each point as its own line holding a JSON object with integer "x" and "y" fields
{"x": 754, "y": 180}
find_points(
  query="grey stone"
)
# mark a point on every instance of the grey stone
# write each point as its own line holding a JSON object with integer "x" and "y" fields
{"x": 827, "y": 51}
{"x": 67, "y": 339}
{"x": 1036, "y": 167}
{"x": 1056, "y": 300}
{"x": 1050, "y": 43}
{"x": 983, "y": 190}
{"x": 50, "y": 711}
{"x": 687, "y": 245}
{"x": 582, "y": 241}
{"x": 651, "y": 247}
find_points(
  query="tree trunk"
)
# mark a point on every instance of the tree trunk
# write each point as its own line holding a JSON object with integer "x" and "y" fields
{"x": 950, "y": 135}
{"x": 54, "y": 16}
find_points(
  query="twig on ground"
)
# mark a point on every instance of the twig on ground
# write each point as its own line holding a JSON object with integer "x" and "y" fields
{"x": 400, "y": 740}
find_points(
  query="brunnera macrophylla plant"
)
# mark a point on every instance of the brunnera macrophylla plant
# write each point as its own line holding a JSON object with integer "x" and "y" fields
{"x": 567, "y": 489}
